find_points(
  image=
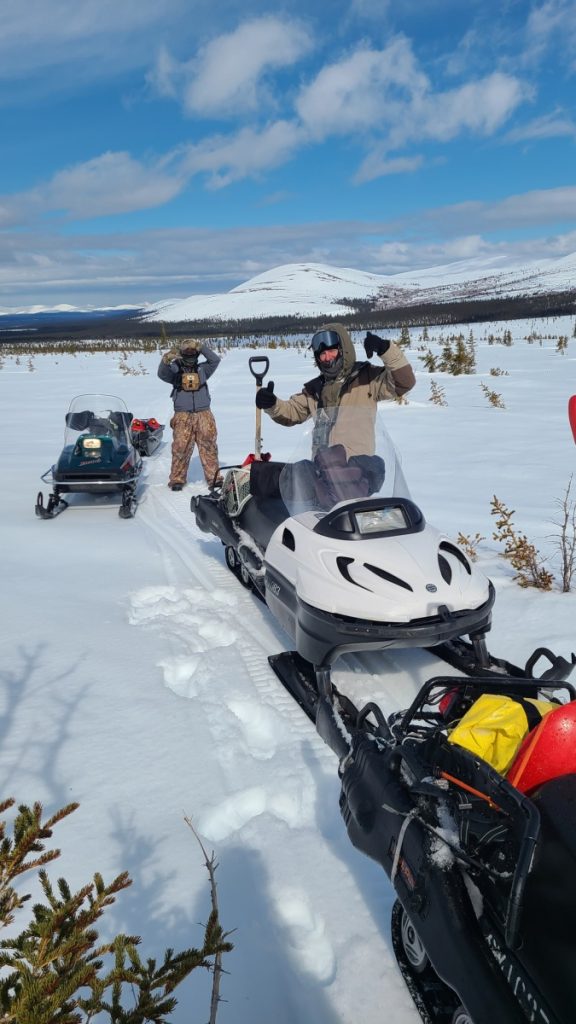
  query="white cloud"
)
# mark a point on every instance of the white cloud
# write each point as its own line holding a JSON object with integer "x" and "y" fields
{"x": 527, "y": 210}
{"x": 154, "y": 265}
{"x": 165, "y": 74}
{"x": 109, "y": 184}
{"x": 249, "y": 152}
{"x": 552, "y": 23}
{"x": 549, "y": 126}
{"x": 362, "y": 91}
{"x": 94, "y": 36}
{"x": 384, "y": 96}
{"x": 480, "y": 107}
{"x": 377, "y": 166}
{"x": 228, "y": 75}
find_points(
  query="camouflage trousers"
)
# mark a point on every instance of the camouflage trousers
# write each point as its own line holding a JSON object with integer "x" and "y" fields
{"x": 189, "y": 429}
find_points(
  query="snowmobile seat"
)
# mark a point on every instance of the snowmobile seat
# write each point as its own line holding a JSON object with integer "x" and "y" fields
{"x": 79, "y": 420}
{"x": 265, "y": 479}
{"x": 121, "y": 420}
{"x": 331, "y": 477}
{"x": 266, "y": 510}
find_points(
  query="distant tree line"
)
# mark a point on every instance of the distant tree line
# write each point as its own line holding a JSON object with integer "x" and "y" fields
{"x": 124, "y": 327}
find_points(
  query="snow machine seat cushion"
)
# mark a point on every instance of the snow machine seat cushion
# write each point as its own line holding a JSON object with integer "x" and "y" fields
{"x": 120, "y": 419}
{"x": 79, "y": 420}
{"x": 86, "y": 420}
{"x": 331, "y": 477}
{"x": 264, "y": 479}
{"x": 339, "y": 478}
{"x": 373, "y": 469}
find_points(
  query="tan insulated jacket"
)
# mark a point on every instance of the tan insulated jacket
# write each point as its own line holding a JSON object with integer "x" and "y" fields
{"x": 356, "y": 392}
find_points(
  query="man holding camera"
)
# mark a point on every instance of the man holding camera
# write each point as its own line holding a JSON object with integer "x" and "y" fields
{"x": 193, "y": 421}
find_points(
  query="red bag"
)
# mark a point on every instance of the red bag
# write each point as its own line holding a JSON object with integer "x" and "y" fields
{"x": 548, "y": 751}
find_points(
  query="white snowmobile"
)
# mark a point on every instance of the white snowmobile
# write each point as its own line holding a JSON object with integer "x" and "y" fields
{"x": 345, "y": 560}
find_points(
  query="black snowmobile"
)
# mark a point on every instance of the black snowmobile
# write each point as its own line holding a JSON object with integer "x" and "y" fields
{"x": 484, "y": 873}
{"x": 101, "y": 454}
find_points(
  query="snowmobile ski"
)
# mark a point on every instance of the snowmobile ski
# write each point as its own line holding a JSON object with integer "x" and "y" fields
{"x": 55, "y": 506}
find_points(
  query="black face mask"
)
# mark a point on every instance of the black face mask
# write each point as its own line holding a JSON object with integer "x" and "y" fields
{"x": 330, "y": 370}
{"x": 190, "y": 362}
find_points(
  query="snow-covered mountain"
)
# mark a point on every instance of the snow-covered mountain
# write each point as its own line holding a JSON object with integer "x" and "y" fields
{"x": 314, "y": 289}
{"x": 319, "y": 290}
{"x": 295, "y": 289}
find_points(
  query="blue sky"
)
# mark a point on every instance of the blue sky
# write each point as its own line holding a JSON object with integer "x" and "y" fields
{"x": 157, "y": 150}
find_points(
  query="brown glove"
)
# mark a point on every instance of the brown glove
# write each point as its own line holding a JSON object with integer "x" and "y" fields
{"x": 190, "y": 345}
{"x": 170, "y": 356}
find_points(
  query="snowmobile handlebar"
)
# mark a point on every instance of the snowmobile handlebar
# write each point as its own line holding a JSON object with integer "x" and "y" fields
{"x": 259, "y": 374}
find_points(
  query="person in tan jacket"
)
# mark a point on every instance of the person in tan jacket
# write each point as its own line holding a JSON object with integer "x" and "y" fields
{"x": 343, "y": 398}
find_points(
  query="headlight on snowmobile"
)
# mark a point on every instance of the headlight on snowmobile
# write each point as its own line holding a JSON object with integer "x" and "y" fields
{"x": 381, "y": 520}
{"x": 91, "y": 443}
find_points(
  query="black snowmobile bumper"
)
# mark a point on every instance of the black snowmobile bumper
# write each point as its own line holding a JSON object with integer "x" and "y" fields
{"x": 321, "y": 636}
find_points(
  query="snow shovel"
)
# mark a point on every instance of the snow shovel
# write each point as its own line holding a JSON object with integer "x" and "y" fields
{"x": 572, "y": 415}
{"x": 257, "y": 455}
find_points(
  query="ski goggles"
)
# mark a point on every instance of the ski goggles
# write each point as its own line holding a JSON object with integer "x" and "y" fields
{"x": 325, "y": 339}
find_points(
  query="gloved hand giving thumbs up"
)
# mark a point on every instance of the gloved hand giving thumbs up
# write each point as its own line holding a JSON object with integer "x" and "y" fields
{"x": 265, "y": 397}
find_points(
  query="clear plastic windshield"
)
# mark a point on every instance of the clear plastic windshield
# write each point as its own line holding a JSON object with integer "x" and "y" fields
{"x": 97, "y": 418}
{"x": 342, "y": 456}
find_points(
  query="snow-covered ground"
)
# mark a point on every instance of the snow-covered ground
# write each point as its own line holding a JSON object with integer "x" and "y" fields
{"x": 135, "y": 674}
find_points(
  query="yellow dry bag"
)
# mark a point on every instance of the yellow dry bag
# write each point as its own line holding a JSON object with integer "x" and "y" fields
{"x": 495, "y": 726}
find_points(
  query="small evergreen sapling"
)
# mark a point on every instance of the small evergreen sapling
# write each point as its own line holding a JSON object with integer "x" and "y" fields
{"x": 53, "y": 970}
{"x": 522, "y": 555}
{"x": 470, "y": 544}
{"x": 493, "y": 397}
{"x": 437, "y": 394}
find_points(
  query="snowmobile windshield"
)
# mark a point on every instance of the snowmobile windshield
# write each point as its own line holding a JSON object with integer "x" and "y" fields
{"x": 342, "y": 455}
{"x": 96, "y": 420}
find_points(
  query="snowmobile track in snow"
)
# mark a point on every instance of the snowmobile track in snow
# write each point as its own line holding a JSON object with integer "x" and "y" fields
{"x": 167, "y": 516}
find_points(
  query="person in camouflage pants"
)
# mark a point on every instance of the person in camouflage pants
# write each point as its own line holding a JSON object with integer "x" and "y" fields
{"x": 192, "y": 422}
{"x": 189, "y": 429}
